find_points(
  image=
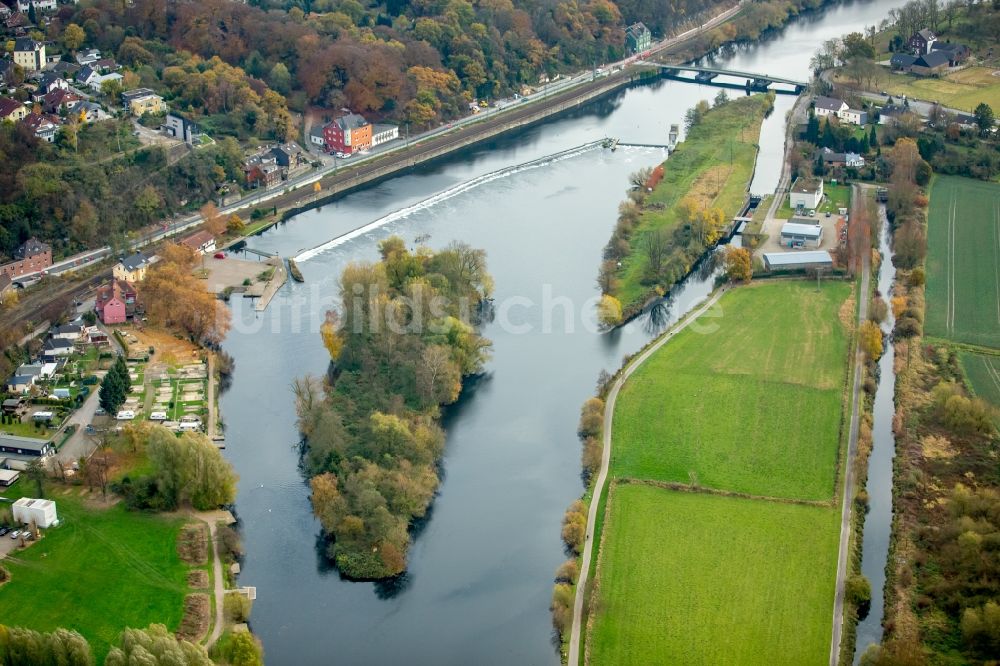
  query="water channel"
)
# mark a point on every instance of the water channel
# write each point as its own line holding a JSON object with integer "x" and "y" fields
{"x": 480, "y": 568}
{"x": 878, "y": 521}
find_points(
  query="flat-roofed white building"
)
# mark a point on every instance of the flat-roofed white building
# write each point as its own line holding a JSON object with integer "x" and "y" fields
{"x": 795, "y": 234}
{"x": 41, "y": 512}
{"x": 797, "y": 260}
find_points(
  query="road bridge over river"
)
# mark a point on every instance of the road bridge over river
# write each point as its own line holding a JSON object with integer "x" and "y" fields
{"x": 754, "y": 80}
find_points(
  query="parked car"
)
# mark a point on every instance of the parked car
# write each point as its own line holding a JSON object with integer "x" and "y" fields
{"x": 14, "y": 534}
{"x": 3, "y": 530}
{"x": 99, "y": 411}
{"x": 220, "y": 255}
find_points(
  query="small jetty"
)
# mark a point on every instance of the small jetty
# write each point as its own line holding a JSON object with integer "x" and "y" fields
{"x": 293, "y": 270}
{"x": 278, "y": 278}
{"x": 611, "y": 143}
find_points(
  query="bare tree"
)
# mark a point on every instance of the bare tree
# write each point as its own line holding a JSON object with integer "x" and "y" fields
{"x": 656, "y": 245}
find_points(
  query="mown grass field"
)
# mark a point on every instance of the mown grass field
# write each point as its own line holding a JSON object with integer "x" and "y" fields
{"x": 983, "y": 372}
{"x": 714, "y": 163}
{"x": 747, "y": 399}
{"x": 963, "y": 90}
{"x": 963, "y": 261}
{"x": 690, "y": 578}
{"x": 100, "y": 571}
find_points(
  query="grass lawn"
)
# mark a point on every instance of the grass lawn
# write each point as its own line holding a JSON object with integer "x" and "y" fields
{"x": 963, "y": 261}
{"x": 962, "y": 90}
{"x": 100, "y": 571}
{"x": 714, "y": 164}
{"x": 983, "y": 372}
{"x": 688, "y": 578}
{"x": 835, "y": 197}
{"x": 748, "y": 399}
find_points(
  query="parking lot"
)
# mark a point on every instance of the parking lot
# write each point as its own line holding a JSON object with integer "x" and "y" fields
{"x": 773, "y": 230}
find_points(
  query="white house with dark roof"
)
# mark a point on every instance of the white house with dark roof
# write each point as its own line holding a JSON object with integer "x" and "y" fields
{"x": 71, "y": 332}
{"x": 829, "y": 106}
{"x": 56, "y": 347}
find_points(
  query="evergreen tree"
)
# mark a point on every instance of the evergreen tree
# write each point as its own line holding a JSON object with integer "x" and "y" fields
{"x": 115, "y": 387}
{"x": 812, "y": 128}
{"x": 873, "y": 138}
{"x": 828, "y": 140}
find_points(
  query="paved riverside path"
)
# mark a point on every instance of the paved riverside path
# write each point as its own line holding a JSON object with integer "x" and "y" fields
{"x": 609, "y": 411}
{"x": 857, "y": 200}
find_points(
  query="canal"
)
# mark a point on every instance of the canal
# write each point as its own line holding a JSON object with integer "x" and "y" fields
{"x": 878, "y": 520}
{"x": 480, "y": 568}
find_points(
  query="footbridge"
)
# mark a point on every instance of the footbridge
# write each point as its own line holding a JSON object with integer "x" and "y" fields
{"x": 754, "y": 81}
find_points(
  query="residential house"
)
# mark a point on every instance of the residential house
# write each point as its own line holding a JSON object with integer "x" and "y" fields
{"x": 25, "y": 446}
{"x": 316, "y": 137}
{"x": 19, "y": 384}
{"x": 67, "y": 70}
{"x": 638, "y": 38}
{"x": 141, "y": 101}
{"x": 48, "y": 82}
{"x": 88, "y": 56}
{"x": 805, "y": 193}
{"x": 95, "y": 336}
{"x": 262, "y": 170}
{"x": 105, "y": 65}
{"x": 181, "y": 128}
{"x": 44, "y": 127}
{"x": 13, "y": 405}
{"x": 31, "y": 257}
{"x": 854, "y": 116}
{"x": 88, "y": 112}
{"x": 8, "y": 477}
{"x": 833, "y": 159}
{"x": 348, "y": 134}
{"x": 12, "y": 110}
{"x": 829, "y": 106}
{"x": 60, "y": 101}
{"x": 201, "y": 242}
{"x": 40, "y": 5}
{"x": 930, "y": 63}
{"x": 86, "y": 74}
{"x": 287, "y": 155}
{"x": 71, "y": 332}
{"x": 98, "y": 80}
{"x": 891, "y": 112}
{"x": 5, "y": 12}
{"x": 17, "y": 22}
{"x": 957, "y": 53}
{"x": 29, "y": 54}
{"x": 384, "y": 134}
{"x": 115, "y": 301}
{"x": 901, "y": 62}
{"x": 56, "y": 348}
{"x": 132, "y": 268}
{"x": 922, "y": 42}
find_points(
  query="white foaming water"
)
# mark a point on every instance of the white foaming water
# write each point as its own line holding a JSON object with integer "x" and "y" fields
{"x": 445, "y": 195}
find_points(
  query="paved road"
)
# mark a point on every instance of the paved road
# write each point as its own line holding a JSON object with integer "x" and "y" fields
{"x": 80, "y": 444}
{"x": 857, "y": 200}
{"x": 609, "y": 412}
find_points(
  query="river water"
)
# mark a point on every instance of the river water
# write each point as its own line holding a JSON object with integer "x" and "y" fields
{"x": 480, "y": 568}
{"x": 878, "y": 521}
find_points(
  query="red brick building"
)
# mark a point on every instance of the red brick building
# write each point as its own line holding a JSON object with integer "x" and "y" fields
{"x": 348, "y": 134}
{"x": 31, "y": 257}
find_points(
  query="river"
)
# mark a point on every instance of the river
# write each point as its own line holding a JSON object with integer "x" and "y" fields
{"x": 878, "y": 521}
{"x": 480, "y": 568}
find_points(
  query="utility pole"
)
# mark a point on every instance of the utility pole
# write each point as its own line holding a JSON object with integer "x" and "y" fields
{"x": 407, "y": 134}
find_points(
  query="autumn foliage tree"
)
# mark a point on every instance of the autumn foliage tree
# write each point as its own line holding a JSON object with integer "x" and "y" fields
{"x": 871, "y": 340}
{"x": 738, "y": 267}
{"x": 177, "y": 300}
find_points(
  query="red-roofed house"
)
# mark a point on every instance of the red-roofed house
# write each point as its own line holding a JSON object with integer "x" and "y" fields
{"x": 115, "y": 302}
{"x": 201, "y": 242}
{"x": 11, "y": 109}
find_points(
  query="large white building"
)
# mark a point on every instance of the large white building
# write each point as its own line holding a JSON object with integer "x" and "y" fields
{"x": 805, "y": 193}
{"x": 41, "y": 512}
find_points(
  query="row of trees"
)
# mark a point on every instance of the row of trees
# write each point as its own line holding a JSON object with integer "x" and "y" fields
{"x": 185, "y": 470}
{"x": 152, "y": 646}
{"x": 400, "y": 346}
